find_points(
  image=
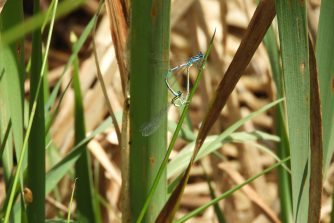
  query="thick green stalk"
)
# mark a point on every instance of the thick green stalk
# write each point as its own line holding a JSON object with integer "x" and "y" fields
{"x": 149, "y": 63}
{"x": 36, "y": 151}
{"x": 292, "y": 25}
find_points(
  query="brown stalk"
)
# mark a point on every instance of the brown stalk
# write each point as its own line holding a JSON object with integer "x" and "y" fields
{"x": 118, "y": 13}
{"x": 119, "y": 33}
{"x": 316, "y": 142}
{"x": 257, "y": 28}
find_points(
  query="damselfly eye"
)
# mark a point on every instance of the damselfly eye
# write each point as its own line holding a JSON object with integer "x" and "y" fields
{"x": 200, "y": 55}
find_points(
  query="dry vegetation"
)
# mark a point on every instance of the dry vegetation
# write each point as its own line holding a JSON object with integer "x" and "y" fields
{"x": 192, "y": 23}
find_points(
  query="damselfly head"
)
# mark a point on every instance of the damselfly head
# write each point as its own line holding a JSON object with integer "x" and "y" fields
{"x": 200, "y": 55}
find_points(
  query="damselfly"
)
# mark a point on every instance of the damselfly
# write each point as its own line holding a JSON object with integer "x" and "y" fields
{"x": 178, "y": 100}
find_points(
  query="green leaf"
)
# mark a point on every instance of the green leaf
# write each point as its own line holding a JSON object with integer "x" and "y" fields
{"x": 84, "y": 183}
{"x": 325, "y": 61}
{"x": 292, "y": 25}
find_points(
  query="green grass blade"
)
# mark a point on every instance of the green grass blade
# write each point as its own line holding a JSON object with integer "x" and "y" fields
{"x": 292, "y": 24}
{"x": 71, "y": 202}
{"x": 14, "y": 67}
{"x": 325, "y": 61}
{"x": 11, "y": 93}
{"x": 6, "y": 140}
{"x": 36, "y": 145}
{"x": 84, "y": 187}
{"x": 11, "y": 112}
{"x": 284, "y": 180}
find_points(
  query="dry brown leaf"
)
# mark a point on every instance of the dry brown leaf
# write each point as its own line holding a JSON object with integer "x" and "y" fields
{"x": 315, "y": 192}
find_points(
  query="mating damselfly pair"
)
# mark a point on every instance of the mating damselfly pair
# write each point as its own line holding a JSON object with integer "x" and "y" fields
{"x": 178, "y": 100}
